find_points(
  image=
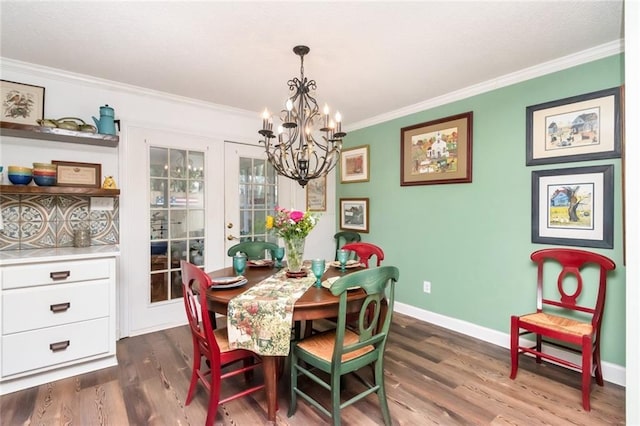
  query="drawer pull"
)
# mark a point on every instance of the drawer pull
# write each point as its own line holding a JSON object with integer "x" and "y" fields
{"x": 59, "y": 346}
{"x": 61, "y": 275}
{"x": 60, "y": 307}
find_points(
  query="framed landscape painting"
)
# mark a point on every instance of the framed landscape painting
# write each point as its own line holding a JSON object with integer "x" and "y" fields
{"x": 573, "y": 206}
{"x": 437, "y": 151}
{"x": 579, "y": 128}
{"x": 354, "y": 214}
{"x": 354, "y": 164}
{"x": 21, "y": 103}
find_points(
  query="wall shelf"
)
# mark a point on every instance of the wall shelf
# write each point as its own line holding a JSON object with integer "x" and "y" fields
{"x": 54, "y": 134}
{"x": 58, "y": 190}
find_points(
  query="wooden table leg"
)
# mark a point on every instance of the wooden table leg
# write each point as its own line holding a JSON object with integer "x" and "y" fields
{"x": 271, "y": 386}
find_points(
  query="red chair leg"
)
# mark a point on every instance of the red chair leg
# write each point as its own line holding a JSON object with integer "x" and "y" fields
{"x": 214, "y": 399}
{"x": 586, "y": 372}
{"x": 598, "y": 366}
{"x": 514, "y": 347}
{"x": 194, "y": 376}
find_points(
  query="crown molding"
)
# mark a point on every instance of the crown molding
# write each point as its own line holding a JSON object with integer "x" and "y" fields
{"x": 98, "y": 83}
{"x": 579, "y": 58}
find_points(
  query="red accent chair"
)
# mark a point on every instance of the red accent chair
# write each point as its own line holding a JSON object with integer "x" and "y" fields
{"x": 562, "y": 318}
{"x": 365, "y": 251}
{"x": 212, "y": 345}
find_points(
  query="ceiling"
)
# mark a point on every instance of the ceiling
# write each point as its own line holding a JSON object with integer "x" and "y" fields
{"x": 368, "y": 58}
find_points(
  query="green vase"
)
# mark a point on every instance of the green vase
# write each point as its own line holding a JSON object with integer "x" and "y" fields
{"x": 295, "y": 253}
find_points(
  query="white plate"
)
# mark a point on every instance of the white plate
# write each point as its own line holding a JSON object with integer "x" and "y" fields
{"x": 350, "y": 264}
{"x": 226, "y": 280}
{"x": 260, "y": 263}
{"x": 231, "y": 285}
{"x": 329, "y": 281}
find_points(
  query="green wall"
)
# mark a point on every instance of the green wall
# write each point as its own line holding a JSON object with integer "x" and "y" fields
{"x": 473, "y": 240}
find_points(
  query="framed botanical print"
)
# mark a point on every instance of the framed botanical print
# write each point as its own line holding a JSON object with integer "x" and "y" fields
{"x": 21, "y": 103}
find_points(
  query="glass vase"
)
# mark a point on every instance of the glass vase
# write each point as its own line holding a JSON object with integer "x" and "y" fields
{"x": 295, "y": 253}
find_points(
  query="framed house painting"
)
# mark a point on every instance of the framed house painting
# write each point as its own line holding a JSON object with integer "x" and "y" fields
{"x": 573, "y": 206}
{"x": 21, "y": 103}
{"x": 579, "y": 128}
{"x": 437, "y": 151}
{"x": 317, "y": 194}
{"x": 354, "y": 214}
{"x": 354, "y": 164}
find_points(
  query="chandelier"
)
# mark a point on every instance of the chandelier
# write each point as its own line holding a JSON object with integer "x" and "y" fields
{"x": 297, "y": 151}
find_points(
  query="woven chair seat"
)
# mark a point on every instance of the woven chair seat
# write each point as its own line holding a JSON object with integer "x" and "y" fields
{"x": 321, "y": 345}
{"x": 558, "y": 323}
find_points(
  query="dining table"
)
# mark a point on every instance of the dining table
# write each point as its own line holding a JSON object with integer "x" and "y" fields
{"x": 316, "y": 303}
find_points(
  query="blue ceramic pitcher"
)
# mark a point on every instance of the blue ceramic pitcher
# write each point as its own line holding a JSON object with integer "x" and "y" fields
{"x": 106, "y": 125}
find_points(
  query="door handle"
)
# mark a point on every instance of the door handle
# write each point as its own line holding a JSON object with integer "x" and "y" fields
{"x": 231, "y": 237}
{"x": 229, "y": 225}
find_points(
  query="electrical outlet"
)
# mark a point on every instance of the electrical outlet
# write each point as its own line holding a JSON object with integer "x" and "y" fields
{"x": 426, "y": 286}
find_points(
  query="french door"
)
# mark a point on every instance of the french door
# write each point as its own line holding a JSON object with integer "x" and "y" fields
{"x": 252, "y": 192}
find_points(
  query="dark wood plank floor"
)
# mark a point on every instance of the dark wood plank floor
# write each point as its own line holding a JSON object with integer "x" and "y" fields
{"x": 434, "y": 376}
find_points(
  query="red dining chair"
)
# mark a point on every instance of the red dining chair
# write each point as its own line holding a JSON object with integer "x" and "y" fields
{"x": 564, "y": 316}
{"x": 365, "y": 251}
{"x": 212, "y": 345}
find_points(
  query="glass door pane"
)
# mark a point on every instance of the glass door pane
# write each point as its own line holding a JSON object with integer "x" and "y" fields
{"x": 177, "y": 183}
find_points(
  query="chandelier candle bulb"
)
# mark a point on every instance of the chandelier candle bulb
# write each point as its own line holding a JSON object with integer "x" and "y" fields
{"x": 265, "y": 119}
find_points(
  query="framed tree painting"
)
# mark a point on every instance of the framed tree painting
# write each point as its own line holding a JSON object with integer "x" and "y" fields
{"x": 573, "y": 206}
{"x": 579, "y": 128}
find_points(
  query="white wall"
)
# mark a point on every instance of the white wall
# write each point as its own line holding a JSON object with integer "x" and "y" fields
{"x": 632, "y": 207}
{"x": 81, "y": 96}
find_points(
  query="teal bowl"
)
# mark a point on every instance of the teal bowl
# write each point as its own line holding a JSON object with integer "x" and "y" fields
{"x": 19, "y": 179}
{"x": 44, "y": 180}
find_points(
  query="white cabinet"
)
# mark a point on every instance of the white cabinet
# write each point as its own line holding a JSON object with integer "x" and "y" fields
{"x": 58, "y": 315}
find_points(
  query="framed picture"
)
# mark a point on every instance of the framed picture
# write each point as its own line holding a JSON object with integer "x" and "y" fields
{"x": 317, "y": 194}
{"x": 579, "y": 128}
{"x": 573, "y": 207}
{"x": 21, "y": 103}
{"x": 437, "y": 151}
{"x": 86, "y": 175}
{"x": 354, "y": 214}
{"x": 354, "y": 164}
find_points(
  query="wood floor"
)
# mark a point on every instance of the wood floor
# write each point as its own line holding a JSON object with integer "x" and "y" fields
{"x": 433, "y": 376}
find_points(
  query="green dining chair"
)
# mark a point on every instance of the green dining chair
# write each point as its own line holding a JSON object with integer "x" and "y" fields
{"x": 254, "y": 250}
{"x": 342, "y": 351}
{"x": 345, "y": 237}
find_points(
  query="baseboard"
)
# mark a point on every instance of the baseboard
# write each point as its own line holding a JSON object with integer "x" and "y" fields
{"x": 611, "y": 372}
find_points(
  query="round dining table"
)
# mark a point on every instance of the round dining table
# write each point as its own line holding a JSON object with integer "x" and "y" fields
{"x": 316, "y": 303}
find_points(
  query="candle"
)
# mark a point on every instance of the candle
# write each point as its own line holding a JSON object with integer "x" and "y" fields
{"x": 280, "y": 130}
{"x": 289, "y": 108}
{"x": 265, "y": 118}
{"x": 326, "y": 115}
{"x": 338, "y": 122}
{"x": 332, "y": 126}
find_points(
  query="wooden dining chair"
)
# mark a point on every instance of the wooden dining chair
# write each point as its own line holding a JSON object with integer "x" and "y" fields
{"x": 255, "y": 250}
{"x": 568, "y": 314}
{"x": 345, "y": 237}
{"x": 212, "y": 345}
{"x": 365, "y": 251}
{"x": 342, "y": 351}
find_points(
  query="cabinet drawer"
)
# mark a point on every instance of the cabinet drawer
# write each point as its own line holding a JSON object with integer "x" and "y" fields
{"x": 35, "y": 307}
{"x": 31, "y": 350}
{"x": 16, "y": 276}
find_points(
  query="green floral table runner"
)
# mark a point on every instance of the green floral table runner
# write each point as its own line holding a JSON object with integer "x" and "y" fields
{"x": 260, "y": 319}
